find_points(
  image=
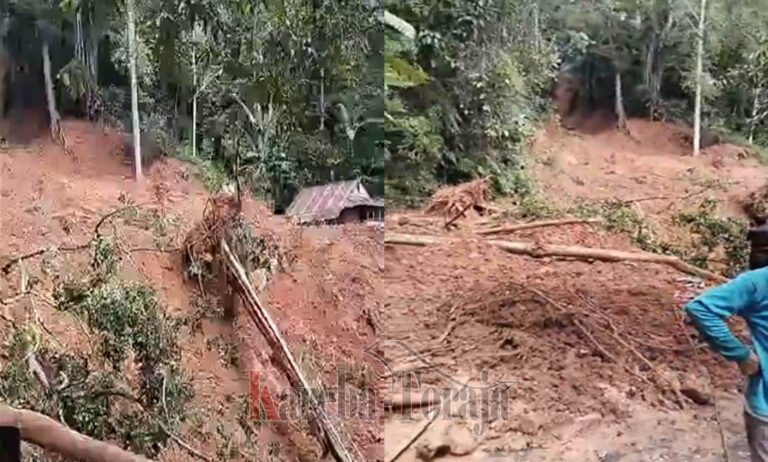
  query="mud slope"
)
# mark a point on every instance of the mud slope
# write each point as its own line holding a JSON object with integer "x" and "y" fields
{"x": 322, "y": 303}
{"x": 595, "y": 359}
{"x": 655, "y": 161}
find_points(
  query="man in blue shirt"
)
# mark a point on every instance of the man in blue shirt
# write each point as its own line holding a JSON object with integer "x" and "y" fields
{"x": 745, "y": 296}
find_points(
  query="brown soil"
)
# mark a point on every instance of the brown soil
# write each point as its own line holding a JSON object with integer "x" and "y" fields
{"x": 570, "y": 339}
{"x": 655, "y": 162}
{"x": 322, "y": 304}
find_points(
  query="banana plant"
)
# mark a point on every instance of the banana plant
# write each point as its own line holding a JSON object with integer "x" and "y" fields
{"x": 398, "y": 72}
{"x": 266, "y": 155}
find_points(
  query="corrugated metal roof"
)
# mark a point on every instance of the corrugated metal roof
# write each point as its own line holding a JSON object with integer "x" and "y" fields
{"x": 326, "y": 202}
{"x": 354, "y": 201}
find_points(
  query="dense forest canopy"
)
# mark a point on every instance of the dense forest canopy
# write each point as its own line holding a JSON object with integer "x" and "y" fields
{"x": 286, "y": 93}
{"x": 467, "y": 81}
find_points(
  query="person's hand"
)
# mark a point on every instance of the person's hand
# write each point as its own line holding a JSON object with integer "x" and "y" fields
{"x": 750, "y": 366}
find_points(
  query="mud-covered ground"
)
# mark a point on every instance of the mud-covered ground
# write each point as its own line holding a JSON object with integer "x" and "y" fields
{"x": 323, "y": 303}
{"x": 595, "y": 361}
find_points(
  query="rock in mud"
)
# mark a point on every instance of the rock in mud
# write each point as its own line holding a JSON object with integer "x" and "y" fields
{"x": 529, "y": 424}
{"x": 696, "y": 389}
{"x": 446, "y": 439}
{"x": 150, "y": 149}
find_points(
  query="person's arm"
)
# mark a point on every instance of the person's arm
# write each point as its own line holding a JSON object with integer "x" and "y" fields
{"x": 709, "y": 310}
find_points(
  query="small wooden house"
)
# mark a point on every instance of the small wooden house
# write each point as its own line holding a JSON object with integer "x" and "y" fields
{"x": 334, "y": 203}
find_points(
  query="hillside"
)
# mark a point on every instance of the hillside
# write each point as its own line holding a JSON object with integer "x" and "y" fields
{"x": 594, "y": 356}
{"x": 323, "y": 300}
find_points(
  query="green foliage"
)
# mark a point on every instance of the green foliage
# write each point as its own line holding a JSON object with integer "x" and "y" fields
{"x": 713, "y": 239}
{"x": 76, "y": 79}
{"x": 463, "y": 95}
{"x": 622, "y": 217}
{"x": 126, "y": 322}
{"x": 105, "y": 260}
{"x": 16, "y": 382}
{"x": 712, "y": 233}
{"x": 210, "y": 172}
{"x": 399, "y": 73}
{"x": 86, "y": 400}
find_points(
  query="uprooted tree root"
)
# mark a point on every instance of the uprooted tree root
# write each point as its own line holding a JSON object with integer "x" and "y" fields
{"x": 222, "y": 220}
{"x": 455, "y": 200}
{"x": 201, "y": 245}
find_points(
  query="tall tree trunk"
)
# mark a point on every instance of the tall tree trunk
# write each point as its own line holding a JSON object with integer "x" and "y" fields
{"x": 194, "y": 101}
{"x": 132, "y": 45}
{"x": 322, "y": 99}
{"x": 53, "y": 114}
{"x": 536, "y": 27}
{"x": 753, "y": 122}
{"x": 649, "y": 77}
{"x": 92, "y": 54}
{"x": 79, "y": 40}
{"x": 5, "y": 66}
{"x": 699, "y": 71}
{"x": 621, "y": 115}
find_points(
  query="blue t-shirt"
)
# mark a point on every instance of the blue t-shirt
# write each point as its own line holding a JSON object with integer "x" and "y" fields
{"x": 745, "y": 296}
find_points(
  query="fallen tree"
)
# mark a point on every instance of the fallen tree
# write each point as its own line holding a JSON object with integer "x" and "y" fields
{"x": 562, "y": 251}
{"x": 537, "y": 224}
{"x": 50, "y": 435}
{"x": 334, "y": 441}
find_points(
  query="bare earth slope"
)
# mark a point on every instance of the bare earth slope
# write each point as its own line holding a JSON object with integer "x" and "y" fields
{"x": 594, "y": 358}
{"x": 323, "y": 303}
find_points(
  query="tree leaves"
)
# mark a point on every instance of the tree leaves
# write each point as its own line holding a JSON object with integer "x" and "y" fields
{"x": 399, "y": 73}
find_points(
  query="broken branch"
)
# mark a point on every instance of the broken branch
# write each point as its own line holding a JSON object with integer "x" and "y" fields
{"x": 6, "y": 268}
{"x": 45, "y": 432}
{"x": 461, "y": 213}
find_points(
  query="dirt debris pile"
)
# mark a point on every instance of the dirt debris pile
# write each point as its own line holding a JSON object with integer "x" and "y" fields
{"x": 257, "y": 247}
{"x": 453, "y": 200}
{"x": 555, "y": 332}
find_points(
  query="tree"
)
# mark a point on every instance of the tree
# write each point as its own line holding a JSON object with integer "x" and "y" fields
{"x": 53, "y": 114}
{"x": 46, "y": 17}
{"x": 132, "y": 46}
{"x": 699, "y": 70}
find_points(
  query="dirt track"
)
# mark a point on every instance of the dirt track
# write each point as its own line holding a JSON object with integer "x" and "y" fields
{"x": 576, "y": 392}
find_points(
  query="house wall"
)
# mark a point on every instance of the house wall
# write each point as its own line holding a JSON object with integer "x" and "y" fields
{"x": 352, "y": 215}
{"x": 361, "y": 213}
{"x": 374, "y": 214}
